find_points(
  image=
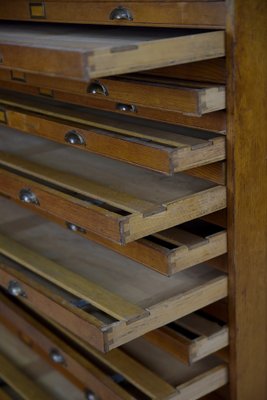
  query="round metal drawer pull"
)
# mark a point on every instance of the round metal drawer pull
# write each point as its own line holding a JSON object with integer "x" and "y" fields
{"x": 15, "y": 289}
{"x": 126, "y": 107}
{"x": 27, "y": 196}
{"x": 75, "y": 228}
{"x": 56, "y": 357}
{"x": 73, "y": 137}
{"x": 90, "y": 395}
{"x": 97, "y": 88}
{"x": 121, "y": 14}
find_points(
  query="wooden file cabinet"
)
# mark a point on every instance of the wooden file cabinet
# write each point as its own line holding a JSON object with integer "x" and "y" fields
{"x": 121, "y": 145}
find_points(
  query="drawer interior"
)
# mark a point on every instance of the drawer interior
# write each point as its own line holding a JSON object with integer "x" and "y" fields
{"x": 138, "y": 368}
{"x": 84, "y": 52}
{"x": 105, "y": 185}
{"x": 161, "y": 147}
{"x": 90, "y": 272}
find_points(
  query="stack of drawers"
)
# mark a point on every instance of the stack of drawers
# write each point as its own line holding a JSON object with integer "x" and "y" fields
{"x": 112, "y": 213}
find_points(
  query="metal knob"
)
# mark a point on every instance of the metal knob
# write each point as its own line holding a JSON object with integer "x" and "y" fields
{"x": 75, "y": 228}
{"x": 89, "y": 395}
{"x": 15, "y": 289}
{"x": 126, "y": 107}
{"x": 56, "y": 357}
{"x": 73, "y": 137}
{"x": 27, "y": 196}
{"x": 120, "y": 14}
{"x": 97, "y": 88}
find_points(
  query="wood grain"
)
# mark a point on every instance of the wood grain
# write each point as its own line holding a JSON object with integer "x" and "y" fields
{"x": 247, "y": 221}
{"x": 91, "y": 52}
{"x": 157, "y": 13}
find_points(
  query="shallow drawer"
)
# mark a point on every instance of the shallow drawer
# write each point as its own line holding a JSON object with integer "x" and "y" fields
{"x": 101, "y": 296}
{"x": 116, "y": 375}
{"x": 25, "y": 375}
{"x": 169, "y": 251}
{"x": 155, "y": 13}
{"x": 83, "y": 53}
{"x": 192, "y": 338}
{"x": 163, "y": 93}
{"x": 115, "y": 200}
{"x": 161, "y": 147}
{"x": 215, "y": 121}
{"x": 213, "y": 70}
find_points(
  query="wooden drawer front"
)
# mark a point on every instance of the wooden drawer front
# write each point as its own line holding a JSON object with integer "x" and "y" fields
{"x": 162, "y": 93}
{"x": 164, "y": 148}
{"x": 26, "y": 376}
{"x": 191, "y": 338}
{"x": 215, "y": 121}
{"x": 44, "y": 340}
{"x": 112, "y": 311}
{"x": 83, "y": 193}
{"x": 213, "y": 70}
{"x": 205, "y": 14}
{"x": 128, "y": 371}
{"x": 170, "y": 251}
{"x": 85, "y": 53}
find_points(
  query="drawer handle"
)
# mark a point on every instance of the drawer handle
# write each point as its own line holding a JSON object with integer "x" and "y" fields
{"x": 15, "y": 289}
{"x": 121, "y": 14}
{"x": 56, "y": 357}
{"x": 75, "y": 228}
{"x": 97, "y": 88}
{"x": 27, "y": 196}
{"x": 91, "y": 395}
{"x": 126, "y": 108}
{"x": 73, "y": 137}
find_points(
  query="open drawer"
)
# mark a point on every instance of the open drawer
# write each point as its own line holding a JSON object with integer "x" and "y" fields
{"x": 84, "y": 52}
{"x": 134, "y": 90}
{"x": 192, "y": 337}
{"x": 117, "y": 375}
{"x": 115, "y": 200}
{"x": 162, "y": 147}
{"x": 102, "y": 297}
{"x": 169, "y": 251}
{"x": 207, "y": 14}
{"x": 214, "y": 122}
{"x": 26, "y": 376}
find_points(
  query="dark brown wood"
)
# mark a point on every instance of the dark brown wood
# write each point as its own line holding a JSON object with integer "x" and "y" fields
{"x": 185, "y": 13}
{"x": 247, "y": 193}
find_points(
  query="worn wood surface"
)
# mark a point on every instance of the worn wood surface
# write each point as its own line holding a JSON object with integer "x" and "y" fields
{"x": 206, "y": 14}
{"x": 162, "y": 298}
{"x": 162, "y": 147}
{"x": 247, "y": 222}
{"x": 150, "y": 200}
{"x": 30, "y": 376}
{"x": 163, "y": 93}
{"x": 214, "y": 122}
{"x": 191, "y": 338}
{"x": 84, "y": 53}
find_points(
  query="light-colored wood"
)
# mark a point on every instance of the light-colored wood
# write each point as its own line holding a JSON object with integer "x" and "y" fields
{"x": 152, "y": 201}
{"x": 160, "y": 298}
{"x": 146, "y": 13}
{"x": 247, "y": 212}
{"x": 215, "y": 122}
{"x": 139, "y": 90}
{"x": 96, "y": 295}
{"x": 28, "y": 375}
{"x": 164, "y": 148}
{"x": 85, "y": 53}
{"x": 208, "y": 338}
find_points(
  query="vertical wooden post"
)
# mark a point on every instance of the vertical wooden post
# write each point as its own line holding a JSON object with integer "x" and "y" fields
{"x": 247, "y": 196}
